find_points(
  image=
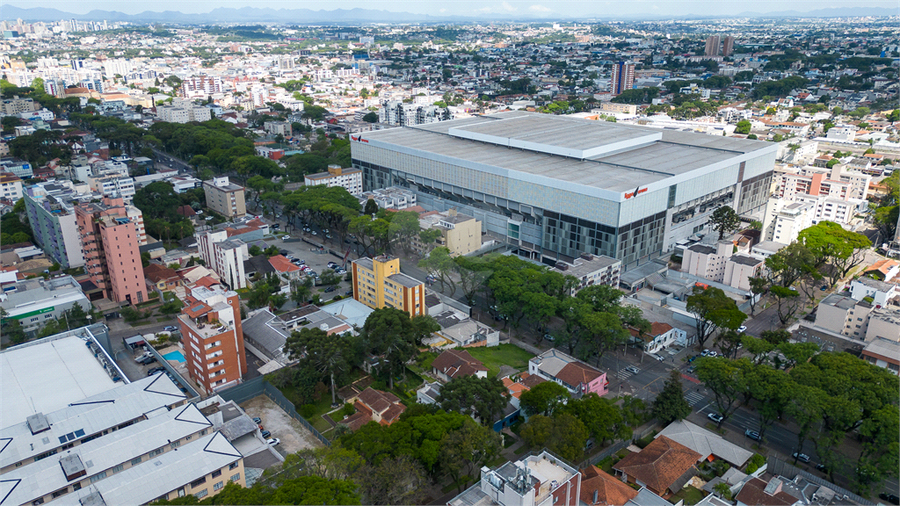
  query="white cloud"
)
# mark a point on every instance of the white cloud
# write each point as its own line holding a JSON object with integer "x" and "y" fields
{"x": 508, "y": 7}
{"x": 539, "y": 8}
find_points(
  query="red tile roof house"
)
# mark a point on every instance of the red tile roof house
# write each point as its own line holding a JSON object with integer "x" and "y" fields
{"x": 664, "y": 466}
{"x": 161, "y": 278}
{"x": 599, "y": 488}
{"x": 457, "y": 363}
{"x": 284, "y": 266}
{"x": 578, "y": 377}
{"x": 374, "y": 406}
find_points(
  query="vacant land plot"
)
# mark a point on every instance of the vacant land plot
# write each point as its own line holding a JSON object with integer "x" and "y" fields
{"x": 294, "y": 436}
{"x": 504, "y": 354}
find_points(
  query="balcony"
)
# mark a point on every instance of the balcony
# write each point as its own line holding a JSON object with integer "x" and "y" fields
{"x": 204, "y": 329}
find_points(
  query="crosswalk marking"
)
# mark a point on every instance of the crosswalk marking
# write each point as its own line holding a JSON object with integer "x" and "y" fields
{"x": 693, "y": 398}
{"x": 623, "y": 374}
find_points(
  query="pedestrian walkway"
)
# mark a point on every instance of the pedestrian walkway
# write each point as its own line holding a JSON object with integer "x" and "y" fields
{"x": 693, "y": 398}
{"x": 624, "y": 374}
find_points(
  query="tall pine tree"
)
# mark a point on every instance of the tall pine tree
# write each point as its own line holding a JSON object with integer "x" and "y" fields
{"x": 670, "y": 404}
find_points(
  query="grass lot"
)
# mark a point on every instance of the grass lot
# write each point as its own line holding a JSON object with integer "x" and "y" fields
{"x": 690, "y": 495}
{"x": 504, "y": 354}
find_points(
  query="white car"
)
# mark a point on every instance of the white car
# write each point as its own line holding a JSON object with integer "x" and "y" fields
{"x": 273, "y": 441}
{"x": 632, "y": 369}
{"x": 742, "y": 329}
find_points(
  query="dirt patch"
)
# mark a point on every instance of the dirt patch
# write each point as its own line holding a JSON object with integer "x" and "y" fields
{"x": 293, "y": 435}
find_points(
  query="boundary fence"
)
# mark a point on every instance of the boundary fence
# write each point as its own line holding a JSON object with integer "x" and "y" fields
{"x": 259, "y": 386}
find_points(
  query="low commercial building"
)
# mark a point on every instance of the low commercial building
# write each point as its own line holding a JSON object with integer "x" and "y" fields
{"x": 883, "y": 353}
{"x": 224, "y": 197}
{"x": 884, "y": 323}
{"x": 537, "y": 480}
{"x": 378, "y": 283}
{"x": 34, "y": 302}
{"x": 347, "y": 178}
{"x": 880, "y": 292}
{"x": 578, "y": 377}
{"x": 659, "y": 337}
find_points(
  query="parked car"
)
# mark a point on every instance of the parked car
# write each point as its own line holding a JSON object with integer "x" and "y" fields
{"x": 821, "y": 467}
{"x": 170, "y": 328}
{"x": 266, "y": 434}
{"x": 257, "y": 419}
{"x": 632, "y": 369}
{"x": 147, "y": 360}
{"x": 549, "y": 337}
{"x": 274, "y": 441}
{"x": 330, "y": 289}
{"x": 802, "y": 457}
{"x": 715, "y": 417}
{"x": 891, "y": 498}
{"x": 155, "y": 370}
{"x": 332, "y": 265}
{"x": 657, "y": 357}
{"x": 705, "y": 353}
{"x": 348, "y": 293}
{"x": 142, "y": 356}
{"x": 742, "y": 329}
{"x": 752, "y": 434}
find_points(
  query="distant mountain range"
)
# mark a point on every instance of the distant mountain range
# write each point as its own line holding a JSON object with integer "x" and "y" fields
{"x": 364, "y": 16}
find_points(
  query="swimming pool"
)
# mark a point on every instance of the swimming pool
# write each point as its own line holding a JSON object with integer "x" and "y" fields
{"x": 174, "y": 355}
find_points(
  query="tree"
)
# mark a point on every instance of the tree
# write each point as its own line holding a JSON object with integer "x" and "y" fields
{"x": 466, "y": 449}
{"x": 724, "y": 378}
{"x": 603, "y": 418}
{"x": 758, "y": 287}
{"x": 481, "y": 398}
{"x": 830, "y": 243}
{"x": 392, "y": 335}
{"x": 563, "y": 434}
{"x": 743, "y": 127}
{"x": 712, "y": 309}
{"x": 301, "y": 290}
{"x": 543, "y": 399}
{"x": 724, "y": 221}
{"x": 395, "y": 480}
{"x": 788, "y": 301}
{"x": 371, "y": 207}
{"x": 371, "y": 117}
{"x": 790, "y": 263}
{"x": 670, "y": 404}
{"x": 722, "y": 490}
{"x": 440, "y": 264}
{"x": 329, "y": 354}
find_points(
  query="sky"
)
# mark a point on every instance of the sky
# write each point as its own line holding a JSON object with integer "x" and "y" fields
{"x": 524, "y": 8}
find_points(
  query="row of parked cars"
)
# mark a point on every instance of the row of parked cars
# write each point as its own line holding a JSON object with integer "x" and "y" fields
{"x": 273, "y": 441}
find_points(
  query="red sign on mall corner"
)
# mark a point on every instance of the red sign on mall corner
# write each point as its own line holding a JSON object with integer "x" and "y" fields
{"x": 637, "y": 191}
{"x": 358, "y": 138}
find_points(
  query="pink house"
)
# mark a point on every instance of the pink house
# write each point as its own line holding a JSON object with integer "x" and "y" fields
{"x": 578, "y": 377}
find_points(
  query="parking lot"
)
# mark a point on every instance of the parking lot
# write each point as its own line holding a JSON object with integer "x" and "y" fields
{"x": 317, "y": 260}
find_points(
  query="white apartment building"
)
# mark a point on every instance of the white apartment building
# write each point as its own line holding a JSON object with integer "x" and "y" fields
{"x": 350, "y": 179}
{"x": 784, "y": 220}
{"x": 201, "y": 86}
{"x": 10, "y": 187}
{"x": 111, "y": 185}
{"x": 224, "y": 256}
{"x": 390, "y": 198}
{"x": 834, "y": 182}
{"x": 881, "y": 292}
{"x": 720, "y": 265}
{"x": 183, "y": 113}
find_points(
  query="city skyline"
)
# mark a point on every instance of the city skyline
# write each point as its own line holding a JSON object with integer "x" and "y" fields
{"x": 518, "y": 9}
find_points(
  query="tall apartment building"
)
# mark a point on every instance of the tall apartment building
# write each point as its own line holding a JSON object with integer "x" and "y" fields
{"x": 198, "y": 86}
{"x": 784, "y": 220}
{"x": 110, "y": 239}
{"x": 10, "y": 186}
{"x": 728, "y": 46}
{"x": 75, "y": 433}
{"x": 378, "y": 283}
{"x": 224, "y": 197}
{"x": 348, "y": 178}
{"x": 843, "y": 315}
{"x": 113, "y": 185}
{"x": 224, "y": 256}
{"x": 591, "y": 270}
{"x": 213, "y": 340}
{"x": 50, "y": 212}
{"x": 622, "y": 77}
{"x": 834, "y": 182}
{"x": 396, "y": 112}
{"x": 14, "y": 106}
{"x": 712, "y": 46}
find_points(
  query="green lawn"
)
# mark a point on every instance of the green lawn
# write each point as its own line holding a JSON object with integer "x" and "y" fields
{"x": 504, "y": 354}
{"x": 690, "y": 495}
